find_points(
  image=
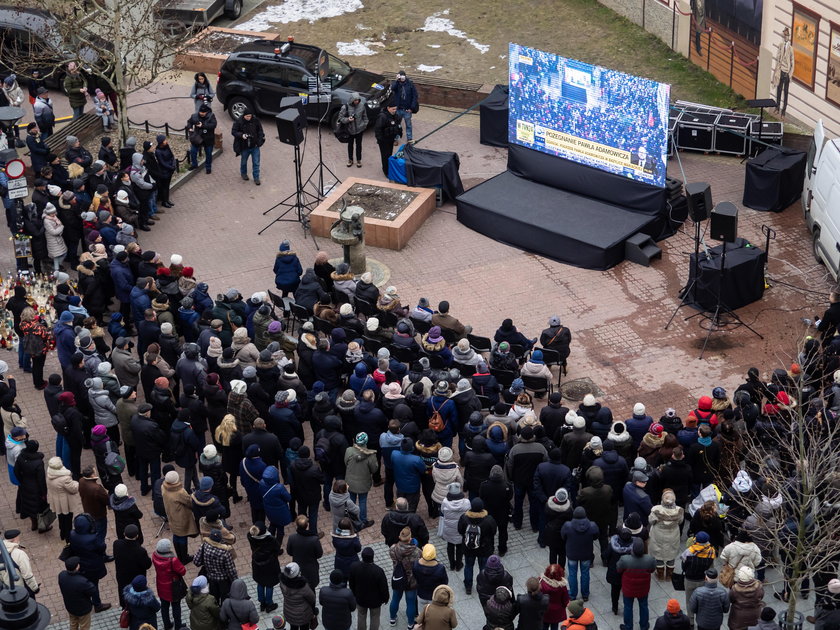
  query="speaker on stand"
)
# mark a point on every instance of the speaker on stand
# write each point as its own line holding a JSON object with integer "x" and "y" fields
{"x": 699, "y": 197}
{"x": 291, "y": 123}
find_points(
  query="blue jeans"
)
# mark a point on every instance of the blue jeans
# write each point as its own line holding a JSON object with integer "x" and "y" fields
{"x": 24, "y": 360}
{"x": 78, "y": 111}
{"x": 362, "y": 502}
{"x": 152, "y": 206}
{"x": 628, "y": 612}
{"x": 405, "y": 114}
{"x": 265, "y": 594}
{"x": 469, "y": 564}
{"x": 101, "y": 529}
{"x": 62, "y": 449}
{"x": 572, "y": 576}
{"x": 534, "y": 506}
{"x": 410, "y": 605}
{"x": 254, "y": 154}
{"x": 208, "y": 155}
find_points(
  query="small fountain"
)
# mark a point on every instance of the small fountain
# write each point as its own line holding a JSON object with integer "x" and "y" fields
{"x": 349, "y": 232}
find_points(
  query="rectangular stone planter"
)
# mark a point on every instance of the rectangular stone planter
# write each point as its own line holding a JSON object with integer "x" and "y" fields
{"x": 211, "y": 62}
{"x": 378, "y": 233}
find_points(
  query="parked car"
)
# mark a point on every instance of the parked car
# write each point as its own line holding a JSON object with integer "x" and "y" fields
{"x": 821, "y": 199}
{"x": 176, "y": 15}
{"x": 30, "y": 40}
{"x": 258, "y": 74}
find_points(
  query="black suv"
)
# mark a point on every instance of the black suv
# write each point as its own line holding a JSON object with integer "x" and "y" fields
{"x": 257, "y": 75}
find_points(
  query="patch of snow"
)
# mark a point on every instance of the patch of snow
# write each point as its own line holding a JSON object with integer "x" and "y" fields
{"x": 356, "y": 48}
{"x": 362, "y": 27}
{"x": 298, "y": 10}
{"x": 435, "y": 23}
{"x": 425, "y": 68}
{"x": 399, "y": 54}
{"x": 433, "y": 45}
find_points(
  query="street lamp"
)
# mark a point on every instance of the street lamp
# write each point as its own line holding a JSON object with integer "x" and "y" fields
{"x": 18, "y": 611}
{"x": 9, "y": 116}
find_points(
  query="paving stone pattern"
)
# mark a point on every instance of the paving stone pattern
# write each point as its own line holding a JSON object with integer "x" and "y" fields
{"x": 616, "y": 316}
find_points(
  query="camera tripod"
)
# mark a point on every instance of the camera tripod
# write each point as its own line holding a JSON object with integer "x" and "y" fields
{"x": 302, "y": 206}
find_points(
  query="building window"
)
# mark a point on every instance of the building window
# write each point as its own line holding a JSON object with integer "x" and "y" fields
{"x": 832, "y": 83}
{"x": 805, "y": 34}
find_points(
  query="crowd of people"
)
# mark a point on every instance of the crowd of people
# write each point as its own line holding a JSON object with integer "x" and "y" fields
{"x": 359, "y": 402}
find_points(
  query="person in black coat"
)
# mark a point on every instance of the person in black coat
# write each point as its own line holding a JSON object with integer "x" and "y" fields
{"x": 149, "y": 443}
{"x": 265, "y": 566}
{"x": 33, "y": 226}
{"x": 130, "y": 559}
{"x": 126, "y": 512}
{"x": 549, "y": 477}
{"x": 830, "y": 320}
{"x": 166, "y": 167}
{"x": 202, "y": 126}
{"x": 304, "y": 547}
{"x": 32, "y": 483}
{"x": 337, "y": 603}
{"x": 497, "y": 493}
{"x": 91, "y": 551}
{"x": 533, "y": 605}
{"x": 271, "y": 449}
{"x": 478, "y": 463}
{"x": 80, "y": 595}
{"x": 369, "y": 585}
{"x": 307, "y": 482}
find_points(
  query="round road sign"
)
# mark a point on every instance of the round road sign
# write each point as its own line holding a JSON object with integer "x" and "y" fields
{"x": 15, "y": 169}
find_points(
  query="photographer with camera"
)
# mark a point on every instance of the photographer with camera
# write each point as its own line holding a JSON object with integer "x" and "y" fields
{"x": 354, "y": 116}
{"x": 201, "y": 127}
{"x": 202, "y": 93}
{"x": 248, "y": 137}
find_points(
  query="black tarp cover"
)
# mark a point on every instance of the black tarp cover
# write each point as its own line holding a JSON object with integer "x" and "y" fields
{"x": 743, "y": 280}
{"x": 438, "y": 169}
{"x": 493, "y": 118}
{"x": 774, "y": 179}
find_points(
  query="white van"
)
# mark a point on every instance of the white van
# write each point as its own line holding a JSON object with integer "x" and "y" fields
{"x": 821, "y": 199}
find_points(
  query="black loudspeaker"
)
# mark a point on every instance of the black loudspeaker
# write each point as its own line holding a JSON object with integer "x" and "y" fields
{"x": 288, "y": 102}
{"x": 290, "y": 125}
{"x": 724, "y": 224}
{"x": 699, "y": 200}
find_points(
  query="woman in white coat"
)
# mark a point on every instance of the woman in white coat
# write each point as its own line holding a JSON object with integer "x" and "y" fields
{"x": 63, "y": 496}
{"x": 54, "y": 228}
{"x": 664, "y": 543}
{"x": 454, "y": 505}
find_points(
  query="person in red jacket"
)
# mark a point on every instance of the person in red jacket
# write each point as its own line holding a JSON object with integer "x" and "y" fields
{"x": 553, "y": 583}
{"x": 168, "y": 569}
{"x": 636, "y": 569}
{"x": 704, "y": 413}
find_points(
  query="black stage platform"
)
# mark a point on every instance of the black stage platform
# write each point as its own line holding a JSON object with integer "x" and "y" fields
{"x": 563, "y": 210}
{"x": 551, "y": 222}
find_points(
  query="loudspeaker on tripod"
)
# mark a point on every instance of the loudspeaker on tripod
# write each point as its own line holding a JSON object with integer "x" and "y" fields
{"x": 699, "y": 196}
{"x": 724, "y": 223}
{"x": 292, "y": 102}
{"x": 290, "y": 126}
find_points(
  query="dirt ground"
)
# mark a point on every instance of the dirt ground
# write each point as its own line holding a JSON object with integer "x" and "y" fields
{"x": 468, "y": 41}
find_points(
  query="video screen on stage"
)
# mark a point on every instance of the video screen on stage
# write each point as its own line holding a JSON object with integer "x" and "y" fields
{"x": 592, "y": 115}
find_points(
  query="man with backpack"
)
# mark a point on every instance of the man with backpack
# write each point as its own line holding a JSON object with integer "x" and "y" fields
{"x": 479, "y": 532}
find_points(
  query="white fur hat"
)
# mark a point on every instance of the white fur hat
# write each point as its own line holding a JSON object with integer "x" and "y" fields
{"x": 638, "y": 409}
{"x": 589, "y": 400}
{"x": 120, "y": 491}
{"x": 176, "y": 259}
{"x": 210, "y": 451}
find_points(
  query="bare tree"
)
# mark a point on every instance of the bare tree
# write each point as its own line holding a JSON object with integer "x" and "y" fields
{"x": 121, "y": 46}
{"x": 792, "y": 454}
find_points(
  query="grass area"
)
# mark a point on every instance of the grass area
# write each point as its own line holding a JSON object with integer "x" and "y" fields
{"x": 580, "y": 29}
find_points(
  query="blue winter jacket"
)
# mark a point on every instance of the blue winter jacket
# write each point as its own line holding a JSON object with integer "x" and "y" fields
{"x": 275, "y": 498}
{"x": 65, "y": 343}
{"x": 449, "y": 412}
{"x": 251, "y": 470}
{"x": 360, "y": 380}
{"x": 140, "y": 301}
{"x": 287, "y": 271}
{"x": 637, "y": 426}
{"x": 408, "y": 470}
{"x": 123, "y": 280}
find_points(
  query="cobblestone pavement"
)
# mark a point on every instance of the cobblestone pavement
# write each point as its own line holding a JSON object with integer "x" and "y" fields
{"x": 617, "y": 316}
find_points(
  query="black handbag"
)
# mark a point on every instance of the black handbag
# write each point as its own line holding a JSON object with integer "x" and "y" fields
{"x": 678, "y": 581}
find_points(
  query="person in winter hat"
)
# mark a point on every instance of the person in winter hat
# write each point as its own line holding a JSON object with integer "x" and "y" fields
{"x": 635, "y": 569}
{"x": 745, "y": 598}
{"x": 638, "y": 424}
{"x": 265, "y": 566}
{"x": 439, "y": 614}
{"x": 673, "y": 619}
{"x": 710, "y": 602}
{"x": 558, "y": 511}
{"x": 579, "y": 534}
{"x": 369, "y": 586}
{"x": 429, "y": 574}
{"x": 168, "y": 569}
{"x": 665, "y": 524}
{"x": 491, "y": 577}
{"x": 696, "y": 561}
{"x": 479, "y": 530}
{"x": 204, "y": 610}
{"x": 501, "y": 609}
{"x": 337, "y": 603}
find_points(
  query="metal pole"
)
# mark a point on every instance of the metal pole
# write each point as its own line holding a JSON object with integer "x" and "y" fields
{"x": 673, "y": 24}
{"x": 708, "y": 50}
{"x": 731, "y": 62}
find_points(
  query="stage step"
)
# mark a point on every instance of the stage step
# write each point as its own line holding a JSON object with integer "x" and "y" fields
{"x": 641, "y": 249}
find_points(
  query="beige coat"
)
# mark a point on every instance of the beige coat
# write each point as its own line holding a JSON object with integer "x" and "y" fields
{"x": 178, "y": 508}
{"x": 11, "y": 419}
{"x": 24, "y": 567}
{"x": 63, "y": 492}
{"x": 664, "y": 543}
